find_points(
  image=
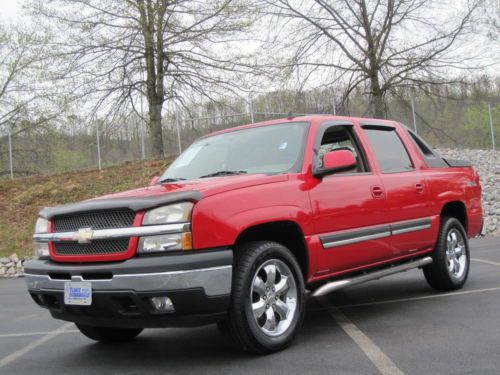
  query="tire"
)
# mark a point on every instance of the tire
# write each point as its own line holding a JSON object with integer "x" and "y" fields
{"x": 451, "y": 258}
{"x": 264, "y": 315}
{"x": 105, "y": 334}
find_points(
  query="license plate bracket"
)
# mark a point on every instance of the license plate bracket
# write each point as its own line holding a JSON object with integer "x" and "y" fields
{"x": 78, "y": 293}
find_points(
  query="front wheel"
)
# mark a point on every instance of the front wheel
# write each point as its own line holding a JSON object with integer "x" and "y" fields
{"x": 267, "y": 298}
{"x": 451, "y": 258}
{"x": 106, "y": 334}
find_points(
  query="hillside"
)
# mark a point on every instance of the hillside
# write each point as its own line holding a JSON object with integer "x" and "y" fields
{"x": 22, "y": 198}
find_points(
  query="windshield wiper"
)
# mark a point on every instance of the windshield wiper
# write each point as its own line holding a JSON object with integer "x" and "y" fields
{"x": 223, "y": 173}
{"x": 173, "y": 179}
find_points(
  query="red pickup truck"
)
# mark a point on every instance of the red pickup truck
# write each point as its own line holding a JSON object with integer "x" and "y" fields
{"x": 247, "y": 219}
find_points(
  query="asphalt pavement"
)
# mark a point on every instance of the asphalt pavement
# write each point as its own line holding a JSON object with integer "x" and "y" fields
{"x": 396, "y": 325}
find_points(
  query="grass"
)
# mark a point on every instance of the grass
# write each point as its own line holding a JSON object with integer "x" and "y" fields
{"x": 21, "y": 199}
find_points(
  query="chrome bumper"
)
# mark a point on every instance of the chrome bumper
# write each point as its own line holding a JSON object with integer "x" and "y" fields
{"x": 215, "y": 281}
{"x": 209, "y": 270}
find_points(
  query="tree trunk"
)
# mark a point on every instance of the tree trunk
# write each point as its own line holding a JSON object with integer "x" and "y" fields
{"x": 377, "y": 98}
{"x": 155, "y": 127}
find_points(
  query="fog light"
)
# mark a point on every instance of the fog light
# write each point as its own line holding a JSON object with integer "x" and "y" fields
{"x": 162, "y": 304}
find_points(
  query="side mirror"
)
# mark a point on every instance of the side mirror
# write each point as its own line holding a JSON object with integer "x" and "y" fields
{"x": 154, "y": 180}
{"x": 336, "y": 161}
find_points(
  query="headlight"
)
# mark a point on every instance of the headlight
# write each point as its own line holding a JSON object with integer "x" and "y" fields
{"x": 165, "y": 242}
{"x": 174, "y": 213}
{"x": 42, "y": 225}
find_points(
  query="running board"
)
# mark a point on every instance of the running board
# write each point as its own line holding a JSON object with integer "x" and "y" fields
{"x": 344, "y": 283}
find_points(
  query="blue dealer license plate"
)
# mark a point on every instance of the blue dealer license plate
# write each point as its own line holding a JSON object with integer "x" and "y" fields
{"x": 78, "y": 293}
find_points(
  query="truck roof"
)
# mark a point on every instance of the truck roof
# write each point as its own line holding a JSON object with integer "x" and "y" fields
{"x": 308, "y": 118}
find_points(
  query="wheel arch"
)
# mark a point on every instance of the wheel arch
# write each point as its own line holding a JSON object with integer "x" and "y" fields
{"x": 457, "y": 210}
{"x": 285, "y": 232}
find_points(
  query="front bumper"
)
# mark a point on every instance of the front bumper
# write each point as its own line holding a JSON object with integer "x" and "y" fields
{"x": 198, "y": 283}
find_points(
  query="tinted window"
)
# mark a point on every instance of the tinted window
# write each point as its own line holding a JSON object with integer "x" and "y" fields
{"x": 389, "y": 150}
{"x": 337, "y": 138}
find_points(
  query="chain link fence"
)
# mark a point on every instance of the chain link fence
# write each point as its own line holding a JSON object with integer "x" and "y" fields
{"x": 460, "y": 124}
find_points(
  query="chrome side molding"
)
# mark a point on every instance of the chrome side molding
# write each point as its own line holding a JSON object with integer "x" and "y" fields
{"x": 353, "y": 236}
{"x": 344, "y": 283}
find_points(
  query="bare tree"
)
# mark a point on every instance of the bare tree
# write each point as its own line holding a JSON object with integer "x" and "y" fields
{"x": 378, "y": 45}
{"x": 111, "y": 52}
{"x": 21, "y": 84}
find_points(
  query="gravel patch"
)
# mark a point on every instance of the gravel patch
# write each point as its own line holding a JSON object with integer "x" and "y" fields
{"x": 12, "y": 266}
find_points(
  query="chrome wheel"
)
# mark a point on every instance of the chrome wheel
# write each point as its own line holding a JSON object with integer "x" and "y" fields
{"x": 456, "y": 257}
{"x": 274, "y": 297}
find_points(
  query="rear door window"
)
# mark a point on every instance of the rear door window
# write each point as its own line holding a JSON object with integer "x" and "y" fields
{"x": 389, "y": 149}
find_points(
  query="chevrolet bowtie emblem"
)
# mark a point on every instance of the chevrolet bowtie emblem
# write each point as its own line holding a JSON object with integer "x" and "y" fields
{"x": 84, "y": 235}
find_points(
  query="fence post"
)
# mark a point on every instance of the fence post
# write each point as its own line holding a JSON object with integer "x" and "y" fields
{"x": 178, "y": 119}
{"x": 98, "y": 144}
{"x": 10, "y": 156}
{"x": 413, "y": 114}
{"x": 250, "y": 108}
{"x": 491, "y": 127}
{"x": 143, "y": 149}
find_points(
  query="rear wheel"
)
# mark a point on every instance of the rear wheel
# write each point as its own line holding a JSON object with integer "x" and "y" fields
{"x": 451, "y": 258}
{"x": 106, "y": 334}
{"x": 267, "y": 298}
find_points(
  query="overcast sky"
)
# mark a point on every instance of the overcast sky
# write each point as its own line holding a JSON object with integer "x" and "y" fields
{"x": 9, "y": 9}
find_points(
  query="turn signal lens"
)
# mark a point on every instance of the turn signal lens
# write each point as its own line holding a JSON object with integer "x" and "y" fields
{"x": 165, "y": 243}
{"x": 42, "y": 250}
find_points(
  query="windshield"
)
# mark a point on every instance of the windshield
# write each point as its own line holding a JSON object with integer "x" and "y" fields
{"x": 266, "y": 149}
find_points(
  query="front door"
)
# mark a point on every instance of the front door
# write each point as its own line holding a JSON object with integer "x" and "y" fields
{"x": 349, "y": 208}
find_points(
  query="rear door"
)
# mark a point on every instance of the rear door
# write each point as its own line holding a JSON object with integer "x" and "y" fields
{"x": 407, "y": 195}
{"x": 349, "y": 208}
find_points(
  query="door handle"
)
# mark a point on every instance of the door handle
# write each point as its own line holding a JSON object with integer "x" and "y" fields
{"x": 419, "y": 188}
{"x": 377, "y": 191}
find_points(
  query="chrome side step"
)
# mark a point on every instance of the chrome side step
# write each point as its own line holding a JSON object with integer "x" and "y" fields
{"x": 344, "y": 283}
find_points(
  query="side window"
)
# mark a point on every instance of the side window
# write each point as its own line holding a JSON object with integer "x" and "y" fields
{"x": 341, "y": 137}
{"x": 389, "y": 149}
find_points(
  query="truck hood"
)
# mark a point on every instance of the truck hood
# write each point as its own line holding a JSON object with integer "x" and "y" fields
{"x": 162, "y": 194}
{"x": 206, "y": 186}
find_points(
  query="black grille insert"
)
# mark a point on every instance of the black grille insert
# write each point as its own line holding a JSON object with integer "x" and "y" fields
{"x": 95, "y": 220}
{"x": 98, "y": 247}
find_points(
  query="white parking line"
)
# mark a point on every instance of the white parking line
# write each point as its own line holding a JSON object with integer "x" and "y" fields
{"x": 486, "y": 261}
{"x": 2, "y": 335}
{"x": 383, "y": 363}
{"x": 33, "y": 345}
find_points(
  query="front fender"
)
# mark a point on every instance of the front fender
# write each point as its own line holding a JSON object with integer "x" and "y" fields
{"x": 219, "y": 219}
